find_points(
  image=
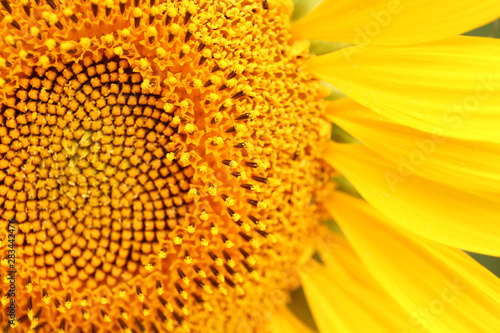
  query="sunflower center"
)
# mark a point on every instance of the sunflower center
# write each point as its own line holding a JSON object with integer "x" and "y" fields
{"x": 98, "y": 184}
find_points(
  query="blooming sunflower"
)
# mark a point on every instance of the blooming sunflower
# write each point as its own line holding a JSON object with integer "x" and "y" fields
{"x": 166, "y": 166}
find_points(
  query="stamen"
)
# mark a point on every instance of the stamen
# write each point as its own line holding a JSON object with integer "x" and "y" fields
{"x": 260, "y": 179}
{"x": 52, "y": 4}
{"x": 139, "y": 293}
{"x": 109, "y": 7}
{"x": 238, "y": 95}
{"x": 165, "y": 304}
{"x": 205, "y": 54}
{"x": 154, "y": 329}
{"x": 140, "y": 325}
{"x": 30, "y": 308}
{"x": 162, "y": 316}
{"x": 189, "y": 13}
{"x": 137, "y": 17}
{"x": 183, "y": 276}
{"x": 199, "y": 271}
{"x": 122, "y": 324}
{"x": 123, "y": 3}
{"x": 26, "y": 6}
{"x": 59, "y": 306}
{"x": 178, "y": 318}
{"x": 68, "y": 303}
{"x": 190, "y": 30}
{"x": 95, "y": 7}
{"x": 159, "y": 288}
{"x": 243, "y": 116}
{"x": 217, "y": 274}
{"x": 45, "y": 296}
{"x": 6, "y": 5}
{"x": 153, "y": 12}
{"x": 171, "y": 13}
{"x": 181, "y": 291}
{"x": 10, "y": 20}
{"x": 174, "y": 30}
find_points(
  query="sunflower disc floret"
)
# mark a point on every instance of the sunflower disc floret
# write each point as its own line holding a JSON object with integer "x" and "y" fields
{"x": 160, "y": 159}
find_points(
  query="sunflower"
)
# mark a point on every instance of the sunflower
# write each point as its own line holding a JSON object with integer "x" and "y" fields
{"x": 167, "y": 166}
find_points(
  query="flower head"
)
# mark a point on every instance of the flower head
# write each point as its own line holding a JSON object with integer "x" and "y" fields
{"x": 160, "y": 160}
{"x": 166, "y": 166}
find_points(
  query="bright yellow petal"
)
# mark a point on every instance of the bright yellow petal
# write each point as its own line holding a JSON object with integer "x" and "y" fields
{"x": 443, "y": 289}
{"x": 464, "y": 164}
{"x": 285, "y": 321}
{"x": 343, "y": 296}
{"x": 461, "y": 219}
{"x": 394, "y": 22}
{"x": 450, "y": 87}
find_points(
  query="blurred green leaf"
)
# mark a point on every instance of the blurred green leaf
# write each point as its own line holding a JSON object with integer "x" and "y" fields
{"x": 345, "y": 186}
{"x": 341, "y": 136}
{"x": 488, "y": 30}
{"x": 320, "y": 47}
{"x": 301, "y": 309}
{"x": 334, "y": 92}
{"x": 491, "y": 263}
{"x": 302, "y": 7}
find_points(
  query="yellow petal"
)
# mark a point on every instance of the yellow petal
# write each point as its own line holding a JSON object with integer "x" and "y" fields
{"x": 450, "y": 87}
{"x": 343, "y": 296}
{"x": 443, "y": 289}
{"x": 462, "y": 219}
{"x": 394, "y": 22}
{"x": 464, "y": 164}
{"x": 285, "y": 321}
